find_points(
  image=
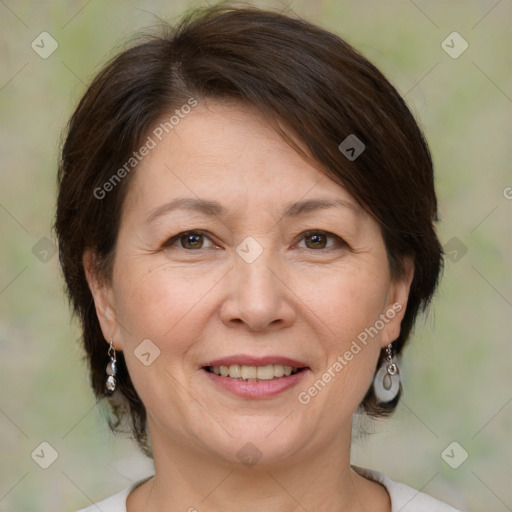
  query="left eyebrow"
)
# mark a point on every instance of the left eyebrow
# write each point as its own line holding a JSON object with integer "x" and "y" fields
{"x": 307, "y": 206}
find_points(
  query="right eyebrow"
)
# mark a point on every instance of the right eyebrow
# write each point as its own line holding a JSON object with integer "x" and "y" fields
{"x": 210, "y": 208}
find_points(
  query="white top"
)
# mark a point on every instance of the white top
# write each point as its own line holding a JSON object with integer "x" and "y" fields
{"x": 403, "y": 498}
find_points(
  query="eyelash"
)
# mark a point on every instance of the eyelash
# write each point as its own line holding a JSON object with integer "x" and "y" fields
{"x": 339, "y": 241}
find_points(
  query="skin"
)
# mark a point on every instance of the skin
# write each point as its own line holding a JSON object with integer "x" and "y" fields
{"x": 299, "y": 299}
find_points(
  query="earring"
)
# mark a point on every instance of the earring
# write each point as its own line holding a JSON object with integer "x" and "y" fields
{"x": 386, "y": 383}
{"x": 111, "y": 383}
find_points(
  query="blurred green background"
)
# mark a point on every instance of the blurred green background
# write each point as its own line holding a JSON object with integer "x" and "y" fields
{"x": 457, "y": 370}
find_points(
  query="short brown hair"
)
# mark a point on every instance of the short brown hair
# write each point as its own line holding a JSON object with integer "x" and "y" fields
{"x": 298, "y": 75}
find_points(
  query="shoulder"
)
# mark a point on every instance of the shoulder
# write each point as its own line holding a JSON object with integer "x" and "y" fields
{"x": 405, "y": 498}
{"x": 116, "y": 503}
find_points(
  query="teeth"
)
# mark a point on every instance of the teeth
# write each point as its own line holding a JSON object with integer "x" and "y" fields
{"x": 247, "y": 372}
{"x": 235, "y": 371}
{"x": 265, "y": 372}
{"x": 278, "y": 370}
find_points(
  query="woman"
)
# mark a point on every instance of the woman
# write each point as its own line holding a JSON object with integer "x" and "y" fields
{"x": 245, "y": 219}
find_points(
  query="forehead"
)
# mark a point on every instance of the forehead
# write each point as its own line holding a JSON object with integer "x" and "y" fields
{"x": 228, "y": 152}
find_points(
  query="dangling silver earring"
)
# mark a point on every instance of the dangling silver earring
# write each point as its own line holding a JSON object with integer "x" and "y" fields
{"x": 386, "y": 383}
{"x": 111, "y": 383}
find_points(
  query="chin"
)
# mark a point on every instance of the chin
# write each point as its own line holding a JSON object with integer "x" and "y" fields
{"x": 267, "y": 441}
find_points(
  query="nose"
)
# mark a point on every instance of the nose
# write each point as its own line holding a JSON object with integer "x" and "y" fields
{"x": 259, "y": 295}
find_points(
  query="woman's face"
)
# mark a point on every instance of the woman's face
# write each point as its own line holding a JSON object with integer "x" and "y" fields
{"x": 280, "y": 268}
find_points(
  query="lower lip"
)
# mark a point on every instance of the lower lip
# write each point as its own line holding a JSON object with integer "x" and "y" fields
{"x": 256, "y": 389}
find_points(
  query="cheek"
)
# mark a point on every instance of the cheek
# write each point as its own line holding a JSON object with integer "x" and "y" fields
{"x": 347, "y": 302}
{"x": 349, "y": 306}
{"x": 161, "y": 304}
{"x": 159, "y": 312}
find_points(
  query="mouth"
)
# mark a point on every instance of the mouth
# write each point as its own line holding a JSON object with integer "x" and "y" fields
{"x": 253, "y": 373}
{"x": 255, "y": 378}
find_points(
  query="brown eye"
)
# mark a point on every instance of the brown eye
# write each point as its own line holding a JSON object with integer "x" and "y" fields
{"x": 189, "y": 240}
{"x": 317, "y": 240}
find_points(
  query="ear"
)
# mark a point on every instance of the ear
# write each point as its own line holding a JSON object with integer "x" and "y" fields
{"x": 397, "y": 303}
{"x": 103, "y": 298}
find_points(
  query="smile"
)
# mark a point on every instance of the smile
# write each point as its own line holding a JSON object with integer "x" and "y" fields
{"x": 254, "y": 373}
{"x": 255, "y": 377}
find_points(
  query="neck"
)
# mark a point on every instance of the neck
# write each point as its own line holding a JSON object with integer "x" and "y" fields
{"x": 320, "y": 481}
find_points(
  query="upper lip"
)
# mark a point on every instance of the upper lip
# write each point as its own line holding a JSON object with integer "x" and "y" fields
{"x": 256, "y": 361}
